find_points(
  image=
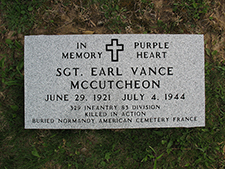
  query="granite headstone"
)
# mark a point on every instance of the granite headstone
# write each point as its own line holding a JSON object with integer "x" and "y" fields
{"x": 114, "y": 81}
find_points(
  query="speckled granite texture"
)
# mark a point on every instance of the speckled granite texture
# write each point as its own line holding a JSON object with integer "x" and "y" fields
{"x": 114, "y": 81}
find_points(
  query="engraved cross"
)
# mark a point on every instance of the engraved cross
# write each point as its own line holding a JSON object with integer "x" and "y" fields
{"x": 114, "y": 47}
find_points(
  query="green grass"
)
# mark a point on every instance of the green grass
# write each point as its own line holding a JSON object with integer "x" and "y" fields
{"x": 192, "y": 9}
{"x": 115, "y": 16}
{"x": 133, "y": 148}
{"x": 20, "y": 14}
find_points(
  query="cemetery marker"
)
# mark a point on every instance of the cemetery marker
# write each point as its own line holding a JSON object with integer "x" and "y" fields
{"x": 114, "y": 81}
